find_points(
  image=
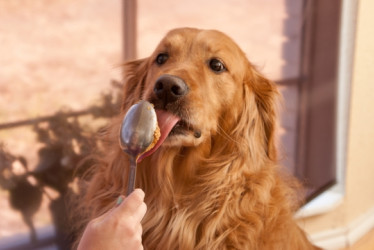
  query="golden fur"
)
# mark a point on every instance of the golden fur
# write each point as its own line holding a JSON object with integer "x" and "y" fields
{"x": 222, "y": 190}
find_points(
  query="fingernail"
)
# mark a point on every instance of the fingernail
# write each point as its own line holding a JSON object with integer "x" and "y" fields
{"x": 119, "y": 200}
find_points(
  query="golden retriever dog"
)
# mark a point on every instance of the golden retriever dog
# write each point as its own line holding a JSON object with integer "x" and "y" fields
{"x": 214, "y": 182}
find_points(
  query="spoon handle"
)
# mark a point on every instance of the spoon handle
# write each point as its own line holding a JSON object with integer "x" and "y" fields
{"x": 132, "y": 175}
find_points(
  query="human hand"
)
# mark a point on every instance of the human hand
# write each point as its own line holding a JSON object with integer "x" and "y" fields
{"x": 119, "y": 228}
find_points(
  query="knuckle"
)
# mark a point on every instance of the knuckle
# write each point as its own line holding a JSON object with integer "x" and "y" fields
{"x": 138, "y": 242}
{"x": 93, "y": 225}
{"x": 144, "y": 206}
{"x": 138, "y": 195}
{"x": 128, "y": 227}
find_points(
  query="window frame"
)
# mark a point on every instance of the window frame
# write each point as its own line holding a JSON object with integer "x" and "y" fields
{"x": 333, "y": 196}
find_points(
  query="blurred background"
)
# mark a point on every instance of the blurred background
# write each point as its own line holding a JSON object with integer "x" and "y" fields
{"x": 60, "y": 81}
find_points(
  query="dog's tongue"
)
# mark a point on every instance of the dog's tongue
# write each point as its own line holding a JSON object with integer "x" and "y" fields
{"x": 166, "y": 121}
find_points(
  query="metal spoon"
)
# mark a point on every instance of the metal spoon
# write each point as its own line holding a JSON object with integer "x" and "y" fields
{"x": 136, "y": 134}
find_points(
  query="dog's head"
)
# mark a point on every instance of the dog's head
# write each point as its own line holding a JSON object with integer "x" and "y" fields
{"x": 202, "y": 85}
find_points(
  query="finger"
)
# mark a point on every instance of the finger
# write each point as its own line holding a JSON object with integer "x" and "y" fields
{"x": 131, "y": 204}
{"x": 139, "y": 229}
{"x": 140, "y": 212}
{"x": 139, "y": 234}
{"x": 123, "y": 205}
{"x": 119, "y": 201}
{"x": 102, "y": 217}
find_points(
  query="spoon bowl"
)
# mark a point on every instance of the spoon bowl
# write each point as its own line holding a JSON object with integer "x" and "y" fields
{"x": 137, "y": 134}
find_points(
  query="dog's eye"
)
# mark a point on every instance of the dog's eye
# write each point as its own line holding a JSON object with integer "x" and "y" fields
{"x": 216, "y": 65}
{"x": 162, "y": 58}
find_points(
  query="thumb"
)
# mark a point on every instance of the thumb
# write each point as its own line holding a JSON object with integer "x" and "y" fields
{"x": 133, "y": 205}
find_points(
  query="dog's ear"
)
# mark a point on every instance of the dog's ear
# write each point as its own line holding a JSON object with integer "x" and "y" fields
{"x": 266, "y": 96}
{"x": 134, "y": 73}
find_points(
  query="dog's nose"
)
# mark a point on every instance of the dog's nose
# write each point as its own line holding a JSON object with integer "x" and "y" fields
{"x": 170, "y": 88}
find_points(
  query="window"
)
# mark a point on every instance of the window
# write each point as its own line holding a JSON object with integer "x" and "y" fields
{"x": 294, "y": 43}
{"x": 55, "y": 56}
{"x": 318, "y": 90}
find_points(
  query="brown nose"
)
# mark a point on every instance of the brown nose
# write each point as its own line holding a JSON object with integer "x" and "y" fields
{"x": 169, "y": 88}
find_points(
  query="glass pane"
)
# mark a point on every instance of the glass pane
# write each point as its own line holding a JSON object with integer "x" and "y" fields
{"x": 269, "y": 32}
{"x": 53, "y": 55}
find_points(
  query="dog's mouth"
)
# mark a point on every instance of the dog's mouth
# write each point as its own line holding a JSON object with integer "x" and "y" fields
{"x": 180, "y": 128}
{"x": 170, "y": 125}
{"x": 173, "y": 125}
